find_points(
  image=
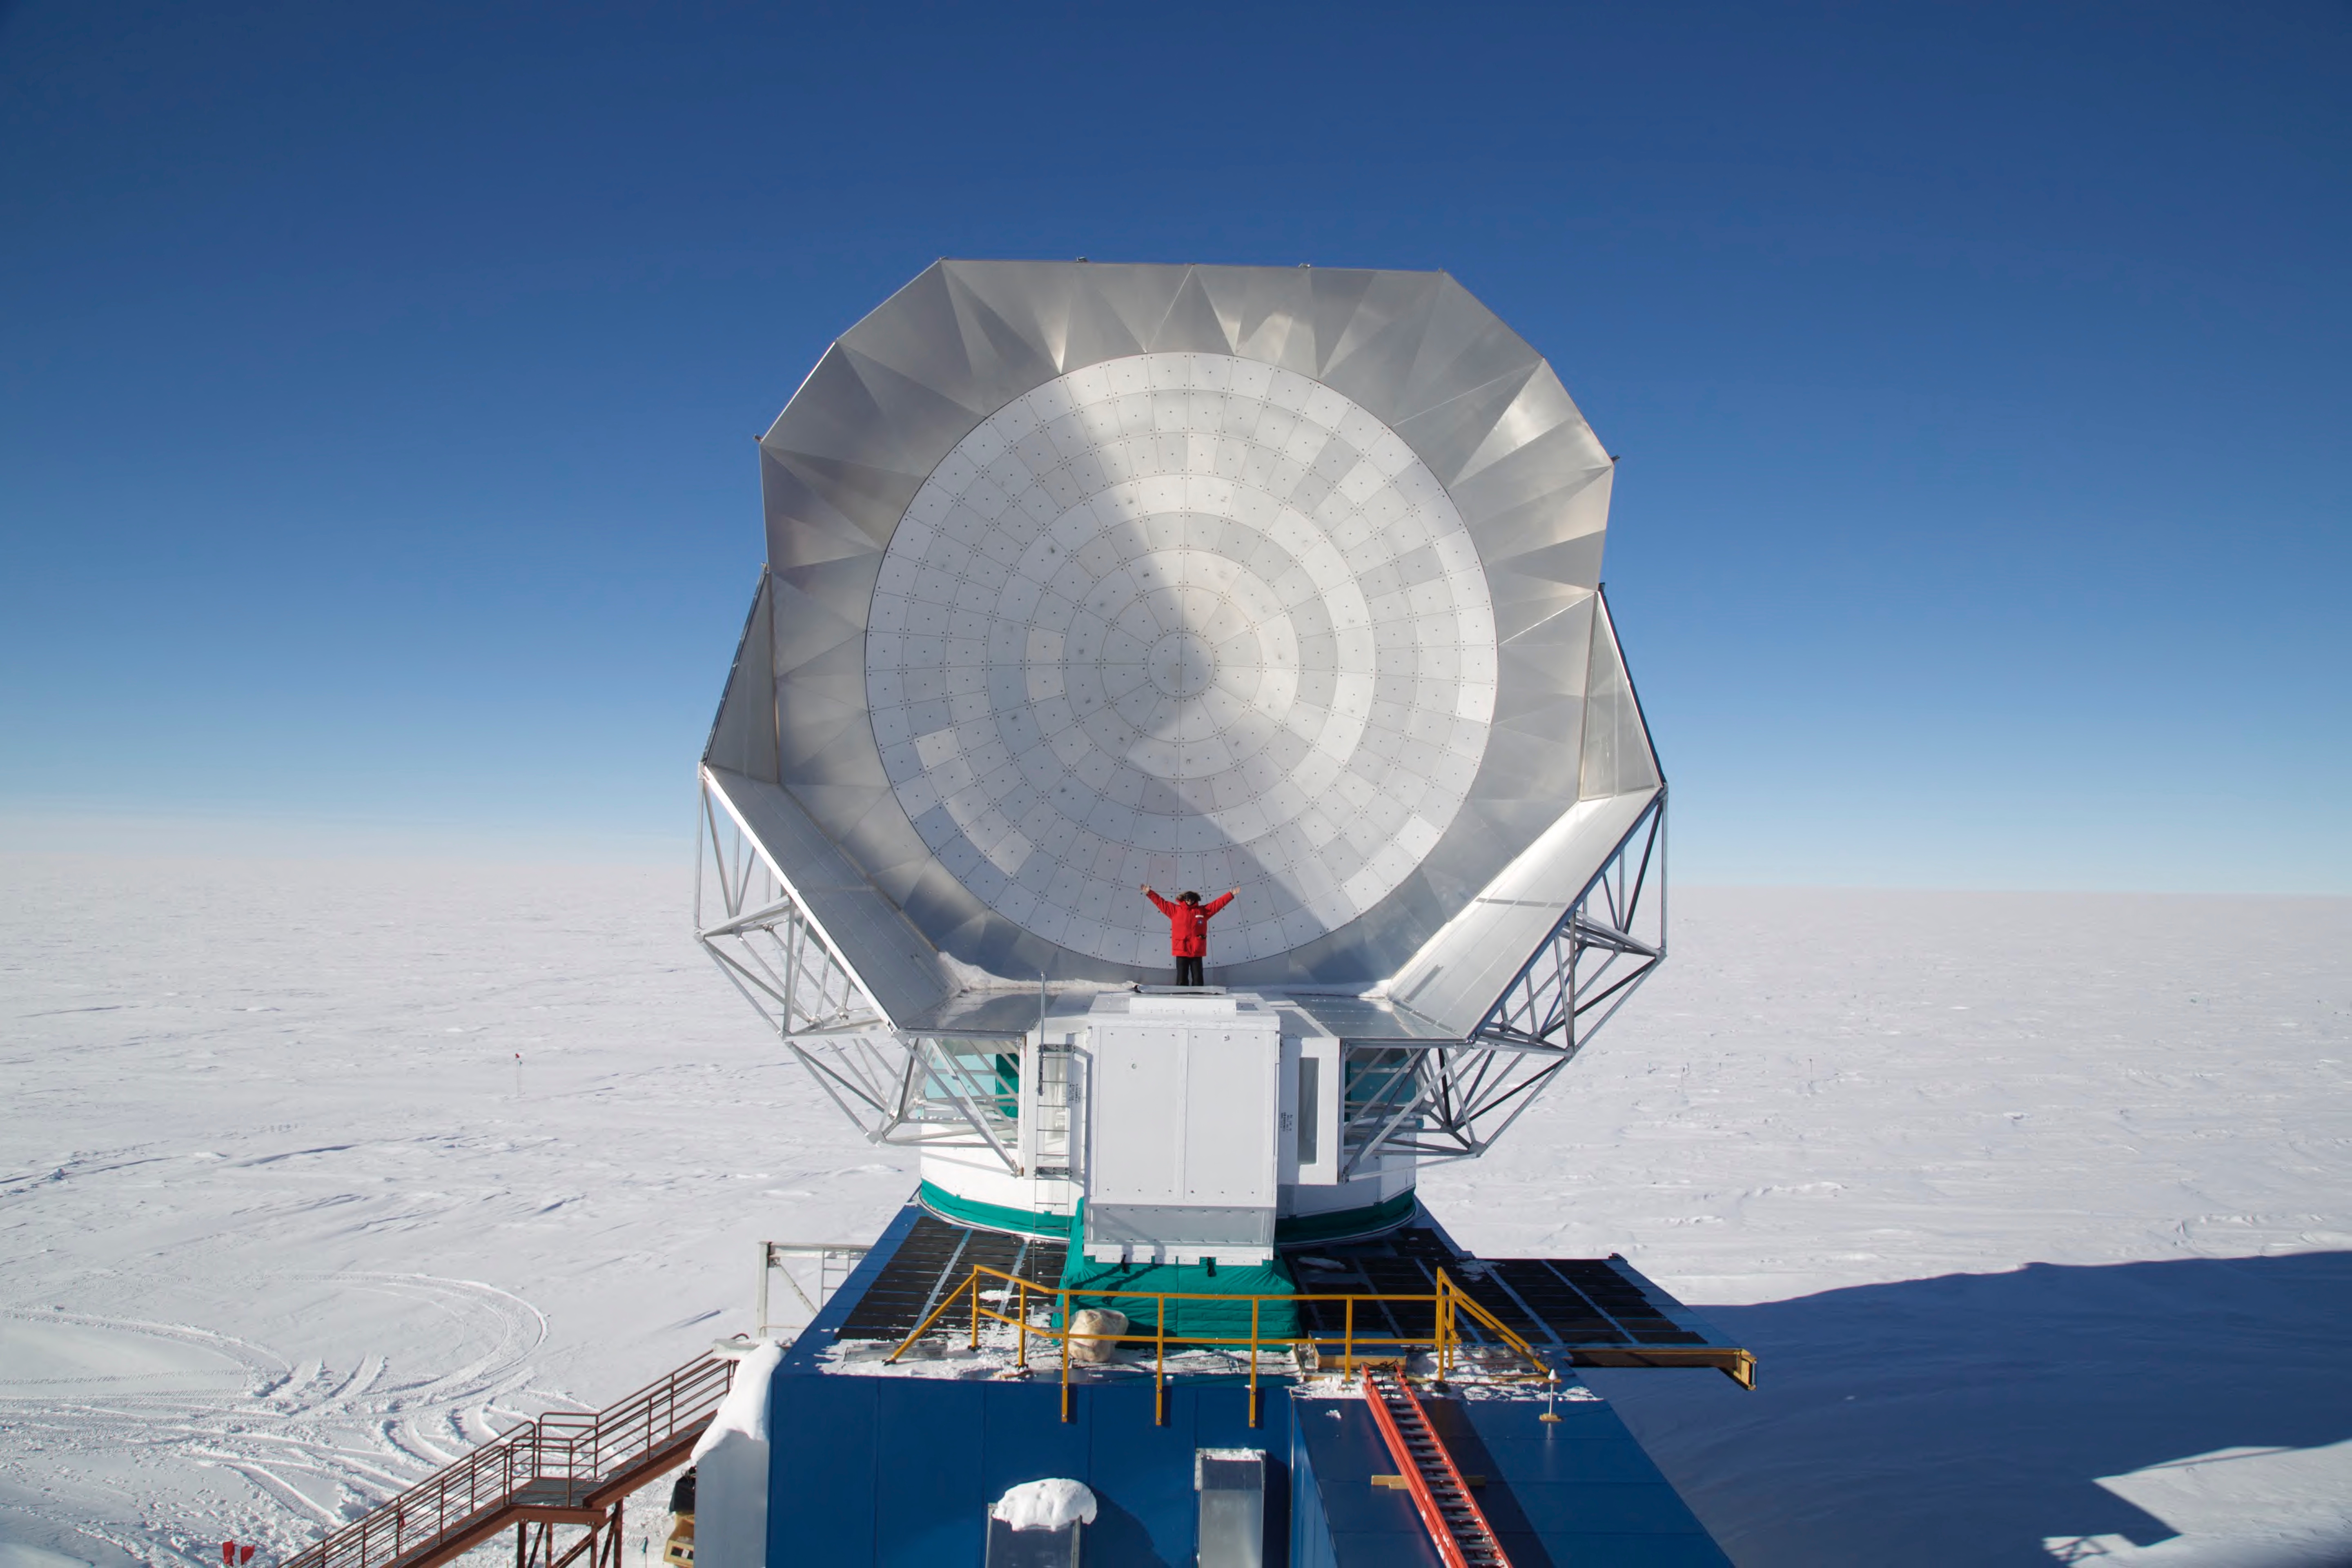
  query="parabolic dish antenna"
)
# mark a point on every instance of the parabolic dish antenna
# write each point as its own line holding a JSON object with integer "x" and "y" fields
{"x": 1084, "y": 575}
{"x": 1184, "y": 618}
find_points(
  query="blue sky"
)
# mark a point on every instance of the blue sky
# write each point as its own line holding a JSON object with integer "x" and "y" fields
{"x": 378, "y": 384}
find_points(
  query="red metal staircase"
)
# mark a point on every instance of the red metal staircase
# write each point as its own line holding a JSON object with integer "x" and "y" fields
{"x": 1460, "y": 1531}
{"x": 561, "y": 1469}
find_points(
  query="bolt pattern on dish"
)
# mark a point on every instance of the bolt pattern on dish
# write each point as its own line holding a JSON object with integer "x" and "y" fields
{"x": 1185, "y": 620}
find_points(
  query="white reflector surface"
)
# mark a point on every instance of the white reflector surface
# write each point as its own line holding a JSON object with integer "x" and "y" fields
{"x": 1187, "y": 619}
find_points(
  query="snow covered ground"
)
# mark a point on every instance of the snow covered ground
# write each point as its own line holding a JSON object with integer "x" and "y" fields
{"x": 2038, "y": 1208}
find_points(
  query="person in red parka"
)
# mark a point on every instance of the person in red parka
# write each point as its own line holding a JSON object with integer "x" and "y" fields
{"x": 1188, "y": 930}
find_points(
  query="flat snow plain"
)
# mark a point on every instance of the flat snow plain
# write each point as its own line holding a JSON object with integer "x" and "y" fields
{"x": 2036, "y": 1208}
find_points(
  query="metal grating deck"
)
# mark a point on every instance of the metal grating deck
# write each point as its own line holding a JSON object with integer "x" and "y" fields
{"x": 1592, "y": 1312}
{"x": 1602, "y": 1311}
{"x": 935, "y": 1257}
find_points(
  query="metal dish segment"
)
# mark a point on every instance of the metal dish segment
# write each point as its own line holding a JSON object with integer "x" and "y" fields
{"x": 900, "y": 389}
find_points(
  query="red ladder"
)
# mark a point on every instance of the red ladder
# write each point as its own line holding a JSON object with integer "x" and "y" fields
{"x": 1463, "y": 1536}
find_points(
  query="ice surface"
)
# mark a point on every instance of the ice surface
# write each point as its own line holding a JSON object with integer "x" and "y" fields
{"x": 282, "y": 1237}
{"x": 2036, "y": 1208}
{"x": 2028, "y": 1205}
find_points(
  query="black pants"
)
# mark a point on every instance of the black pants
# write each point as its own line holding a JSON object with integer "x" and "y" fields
{"x": 1188, "y": 971}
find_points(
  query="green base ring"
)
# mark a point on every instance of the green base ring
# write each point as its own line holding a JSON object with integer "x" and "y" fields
{"x": 1345, "y": 1224}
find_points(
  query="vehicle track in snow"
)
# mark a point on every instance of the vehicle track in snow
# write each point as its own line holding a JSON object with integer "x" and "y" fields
{"x": 322, "y": 1442}
{"x": 302, "y": 1105}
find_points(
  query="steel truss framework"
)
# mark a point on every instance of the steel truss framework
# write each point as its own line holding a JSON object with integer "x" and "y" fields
{"x": 1428, "y": 1100}
{"x": 955, "y": 1092}
{"x": 598, "y": 1547}
{"x": 1449, "y": 1101}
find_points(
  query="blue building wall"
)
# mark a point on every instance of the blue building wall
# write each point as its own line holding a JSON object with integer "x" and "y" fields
{"x": 1579, "y": 1491}
{"x": 898, "y": 1472}
{"x": 895, "y": 1470}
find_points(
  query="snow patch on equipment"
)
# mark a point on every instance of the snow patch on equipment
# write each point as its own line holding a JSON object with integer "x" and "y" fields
{"x": 1045, "y": 1505}
{"x": 744, "y": 1411}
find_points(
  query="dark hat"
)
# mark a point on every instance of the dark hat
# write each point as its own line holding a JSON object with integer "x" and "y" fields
{"x": 1189, "y": 898}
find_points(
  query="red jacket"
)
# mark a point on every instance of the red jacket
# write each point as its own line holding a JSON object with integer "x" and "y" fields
{"x": 1188, "y": 924}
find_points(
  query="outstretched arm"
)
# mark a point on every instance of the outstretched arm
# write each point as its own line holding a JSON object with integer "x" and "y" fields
{"x": 1210, "y": 909}
{"x": 1162, "y": 905}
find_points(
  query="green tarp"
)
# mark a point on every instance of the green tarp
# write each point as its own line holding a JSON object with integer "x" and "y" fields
{"x": 1190, "y": 1321}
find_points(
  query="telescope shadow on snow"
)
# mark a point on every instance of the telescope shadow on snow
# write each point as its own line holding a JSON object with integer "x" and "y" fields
{"x": 1967, "y": 1419}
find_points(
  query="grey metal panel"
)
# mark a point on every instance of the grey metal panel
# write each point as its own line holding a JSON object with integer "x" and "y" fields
{"x": 1191, "y": 323}
{"x": 1463, "y": 346}
{"x": 1450, "y": 432}
{"x": 1618, "y": 755}
{"x": 1456, "y": 978}
{"x": 889, "y": 958}
{"x": 1379, "y": 340}
{"x": 902, "y": 388}
{"x": 1367, "y": 1018}
{"x": 1575, "y": 508}
{"x": 1008, "y": 1014}
{"x": 743, "y": 736}
{"x": 1178, "y": 1225}
{"x": 1267, "y": 312}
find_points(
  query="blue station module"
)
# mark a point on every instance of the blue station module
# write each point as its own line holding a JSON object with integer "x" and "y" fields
{"x": 876, "y": 1461}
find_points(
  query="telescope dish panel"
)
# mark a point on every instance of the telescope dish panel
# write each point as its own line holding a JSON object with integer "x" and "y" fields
{"x": 1117, "y": 640}
{"x": 1083, "y": 576}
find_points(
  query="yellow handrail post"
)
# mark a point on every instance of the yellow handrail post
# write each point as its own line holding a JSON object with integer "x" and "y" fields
{"x": 972, "y": 1285}
{"x": 1024, "y": 1325}
{"x": 1348, "y": 1342}
{"x": 1063, "y": 1297}
{"x": 1159, "y": 1370}
{"x": 1453, "y": 1323}
{"x": 1524, "y": 1351}
{"x": 1436, "y": 1334}
{"x": 1252, "y": 1402}
{"x": 1436, "y": 1331}
{"x": 1441, "y": 1319}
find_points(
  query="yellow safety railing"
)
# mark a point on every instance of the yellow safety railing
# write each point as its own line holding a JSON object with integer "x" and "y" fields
{"x": 1448, "y": 1303}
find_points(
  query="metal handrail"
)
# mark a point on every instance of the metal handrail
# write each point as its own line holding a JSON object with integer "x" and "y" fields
{"x": 586, "y": 1454}
{"x": 1448, "y": 1301}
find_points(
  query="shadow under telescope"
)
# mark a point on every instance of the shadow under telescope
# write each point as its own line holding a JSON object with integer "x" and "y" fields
{"x": 1965, "y": 1420}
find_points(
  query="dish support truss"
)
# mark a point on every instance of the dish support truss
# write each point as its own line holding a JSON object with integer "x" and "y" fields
{"x": 1429, "y": 1100}
{"x": 1450, "y": 1100}
{"x": 915, "y": 1090}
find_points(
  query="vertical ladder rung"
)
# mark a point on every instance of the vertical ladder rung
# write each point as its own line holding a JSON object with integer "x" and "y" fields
{"x": 1455, "y": 1524}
